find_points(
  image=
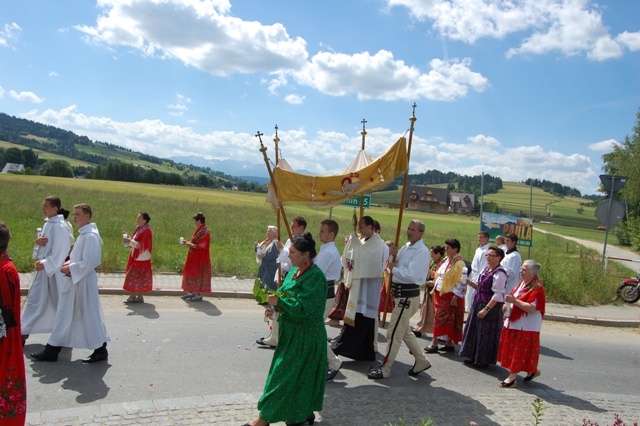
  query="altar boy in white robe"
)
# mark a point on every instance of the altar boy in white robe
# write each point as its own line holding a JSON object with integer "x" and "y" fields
{"x": 51, "y": 248}
{"x": 82, "y": 325}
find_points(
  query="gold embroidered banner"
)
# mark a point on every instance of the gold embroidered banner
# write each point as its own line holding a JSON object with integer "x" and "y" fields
{"x": 298, "y": 188}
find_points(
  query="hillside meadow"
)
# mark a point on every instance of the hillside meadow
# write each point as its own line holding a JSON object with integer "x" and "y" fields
{"x": 560, "y": 214}
{"x": 571, "y": 273}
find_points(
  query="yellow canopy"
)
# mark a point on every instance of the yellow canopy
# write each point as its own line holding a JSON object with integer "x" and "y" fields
{"x": 298, "y": 188}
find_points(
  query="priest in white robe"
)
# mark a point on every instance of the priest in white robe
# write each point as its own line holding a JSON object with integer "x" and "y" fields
{"x": 363, "y": 262}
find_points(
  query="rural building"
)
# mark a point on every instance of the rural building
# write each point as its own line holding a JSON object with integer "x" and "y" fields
{"x": 461, "y": 203}
{"x": 13, "y": 168}
{"x": 438, "y": 200}
{"x": 427, "y": 199}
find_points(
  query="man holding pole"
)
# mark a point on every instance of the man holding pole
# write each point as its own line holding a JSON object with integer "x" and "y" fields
{"x": 328, "y": 259}
{"x": 409, "y": 271}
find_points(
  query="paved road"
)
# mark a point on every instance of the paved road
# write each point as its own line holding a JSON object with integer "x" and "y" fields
{"x": 177, "y": 363}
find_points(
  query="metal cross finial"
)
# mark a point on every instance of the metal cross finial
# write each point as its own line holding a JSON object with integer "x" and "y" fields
{"x": 414, "y": 108}
{"x": 363, "y": 123}
{"x": 276, "y": 130}
{"x": 259, "y": 135}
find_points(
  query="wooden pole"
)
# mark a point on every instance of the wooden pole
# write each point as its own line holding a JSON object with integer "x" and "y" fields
{"x": 364, "y": 134}
{"x": 276, "y": 139}
{"x": 405, "y": 183}
{"x": 263, "y": 150}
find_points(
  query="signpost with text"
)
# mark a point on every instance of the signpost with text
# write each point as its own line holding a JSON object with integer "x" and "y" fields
{"x": 355, "y": 201}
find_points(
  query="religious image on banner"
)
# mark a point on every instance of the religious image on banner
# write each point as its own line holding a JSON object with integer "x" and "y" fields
{"x": 501, "y": 224}
{"x": 332, "y": 190}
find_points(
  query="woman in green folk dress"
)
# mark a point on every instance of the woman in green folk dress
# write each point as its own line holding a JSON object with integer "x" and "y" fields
{"x": 295, "y": 385}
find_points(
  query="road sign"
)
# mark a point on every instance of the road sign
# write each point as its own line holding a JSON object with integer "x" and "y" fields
{"x": 355, "y": 201}
{"x": 613, "y": 183}
{"x": 610, "y": 218}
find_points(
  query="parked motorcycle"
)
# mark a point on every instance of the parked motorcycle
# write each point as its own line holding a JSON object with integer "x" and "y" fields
{"x": 629, "y": 290}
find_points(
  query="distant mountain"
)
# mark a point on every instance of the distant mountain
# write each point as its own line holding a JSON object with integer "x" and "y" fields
{"x": 229, "y": 167}
{"x": 252, "y": 172}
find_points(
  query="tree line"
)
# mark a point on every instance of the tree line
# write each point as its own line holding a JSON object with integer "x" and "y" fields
{"x": 62, "y": 142}
{"x": 455, "y": 182}
{"x": 553, "y": 188}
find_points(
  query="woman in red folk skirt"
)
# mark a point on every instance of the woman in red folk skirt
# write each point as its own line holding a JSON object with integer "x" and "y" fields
{"x": 139, "y": 278}
{"x": 196, "y": 275}
{"x": 519, "y": 348}
{"x": 13, "y": 394}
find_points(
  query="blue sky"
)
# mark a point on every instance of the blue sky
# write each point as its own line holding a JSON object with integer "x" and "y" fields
{"x": 516, "y": 89}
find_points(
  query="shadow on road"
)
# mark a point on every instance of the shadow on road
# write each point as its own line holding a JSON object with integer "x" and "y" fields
{"x": 205, "y": 307}
{"x": 85, "y": 379}
{"x": 544, "y": 351}
{"x": 147, "y": 310}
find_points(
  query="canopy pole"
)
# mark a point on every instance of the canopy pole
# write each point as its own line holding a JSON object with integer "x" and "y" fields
{"x": 405, "y": 183}
{"x": 263, "y": 150}
{"x": 364, "y": 134}
{"x": 276, "y": 139}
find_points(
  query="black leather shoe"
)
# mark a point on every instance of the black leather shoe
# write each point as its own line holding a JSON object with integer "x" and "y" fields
{"x": 261, "y": 341}
{"x": 44, "y": 356}
{"x": 414, "y": 373}
{"x": 447, "y": 348}
{"x": 431, "y": 349}
{"x": 331, "y": 374}
{"x": 96, "y": 357}
{"x": 311, "y": 419}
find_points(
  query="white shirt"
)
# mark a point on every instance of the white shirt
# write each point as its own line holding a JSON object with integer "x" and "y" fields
{"x": 528, "y": 321}
{"x": 283, "y": 257}
{"x": 512, "y": 263}
{"x": 328, "y": 259}
{"x": 479, "y": 262}
{"x": 413, "y": 264}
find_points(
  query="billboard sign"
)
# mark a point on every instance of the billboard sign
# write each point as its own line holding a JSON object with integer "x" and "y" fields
{"x": 501, "y": 224}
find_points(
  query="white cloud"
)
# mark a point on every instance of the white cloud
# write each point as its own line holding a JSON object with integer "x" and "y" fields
{"x": 630, "y": 40}
{"x": 1, "y": 92}
{"x": 484, "y": 140}
{"x": 604, "y": 146}
{"x": 205, "y": 36}
{"x": 330, "y": 152}
{"x": 294, "y": 99}
{"x": 382, "y": 77}
{"x": 25, "y": 97}
{"x": 53, "y": 74}
{"x": 178, "y": 107}
{"x": 200, "y": 34}
{"x": 570, "y": 27}
{"x": 9, "y": 34}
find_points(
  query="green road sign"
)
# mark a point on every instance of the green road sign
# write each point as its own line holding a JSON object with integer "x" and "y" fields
{"x": 355, "y": 201}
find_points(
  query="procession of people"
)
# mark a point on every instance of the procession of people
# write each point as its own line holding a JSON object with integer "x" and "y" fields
{"x": 502, "y": 326}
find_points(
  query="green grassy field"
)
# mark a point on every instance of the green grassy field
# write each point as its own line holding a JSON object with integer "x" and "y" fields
{"x": 571, "y": 273}
{"x": 515, "y": 198}
{"x": 47, "y": 155}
